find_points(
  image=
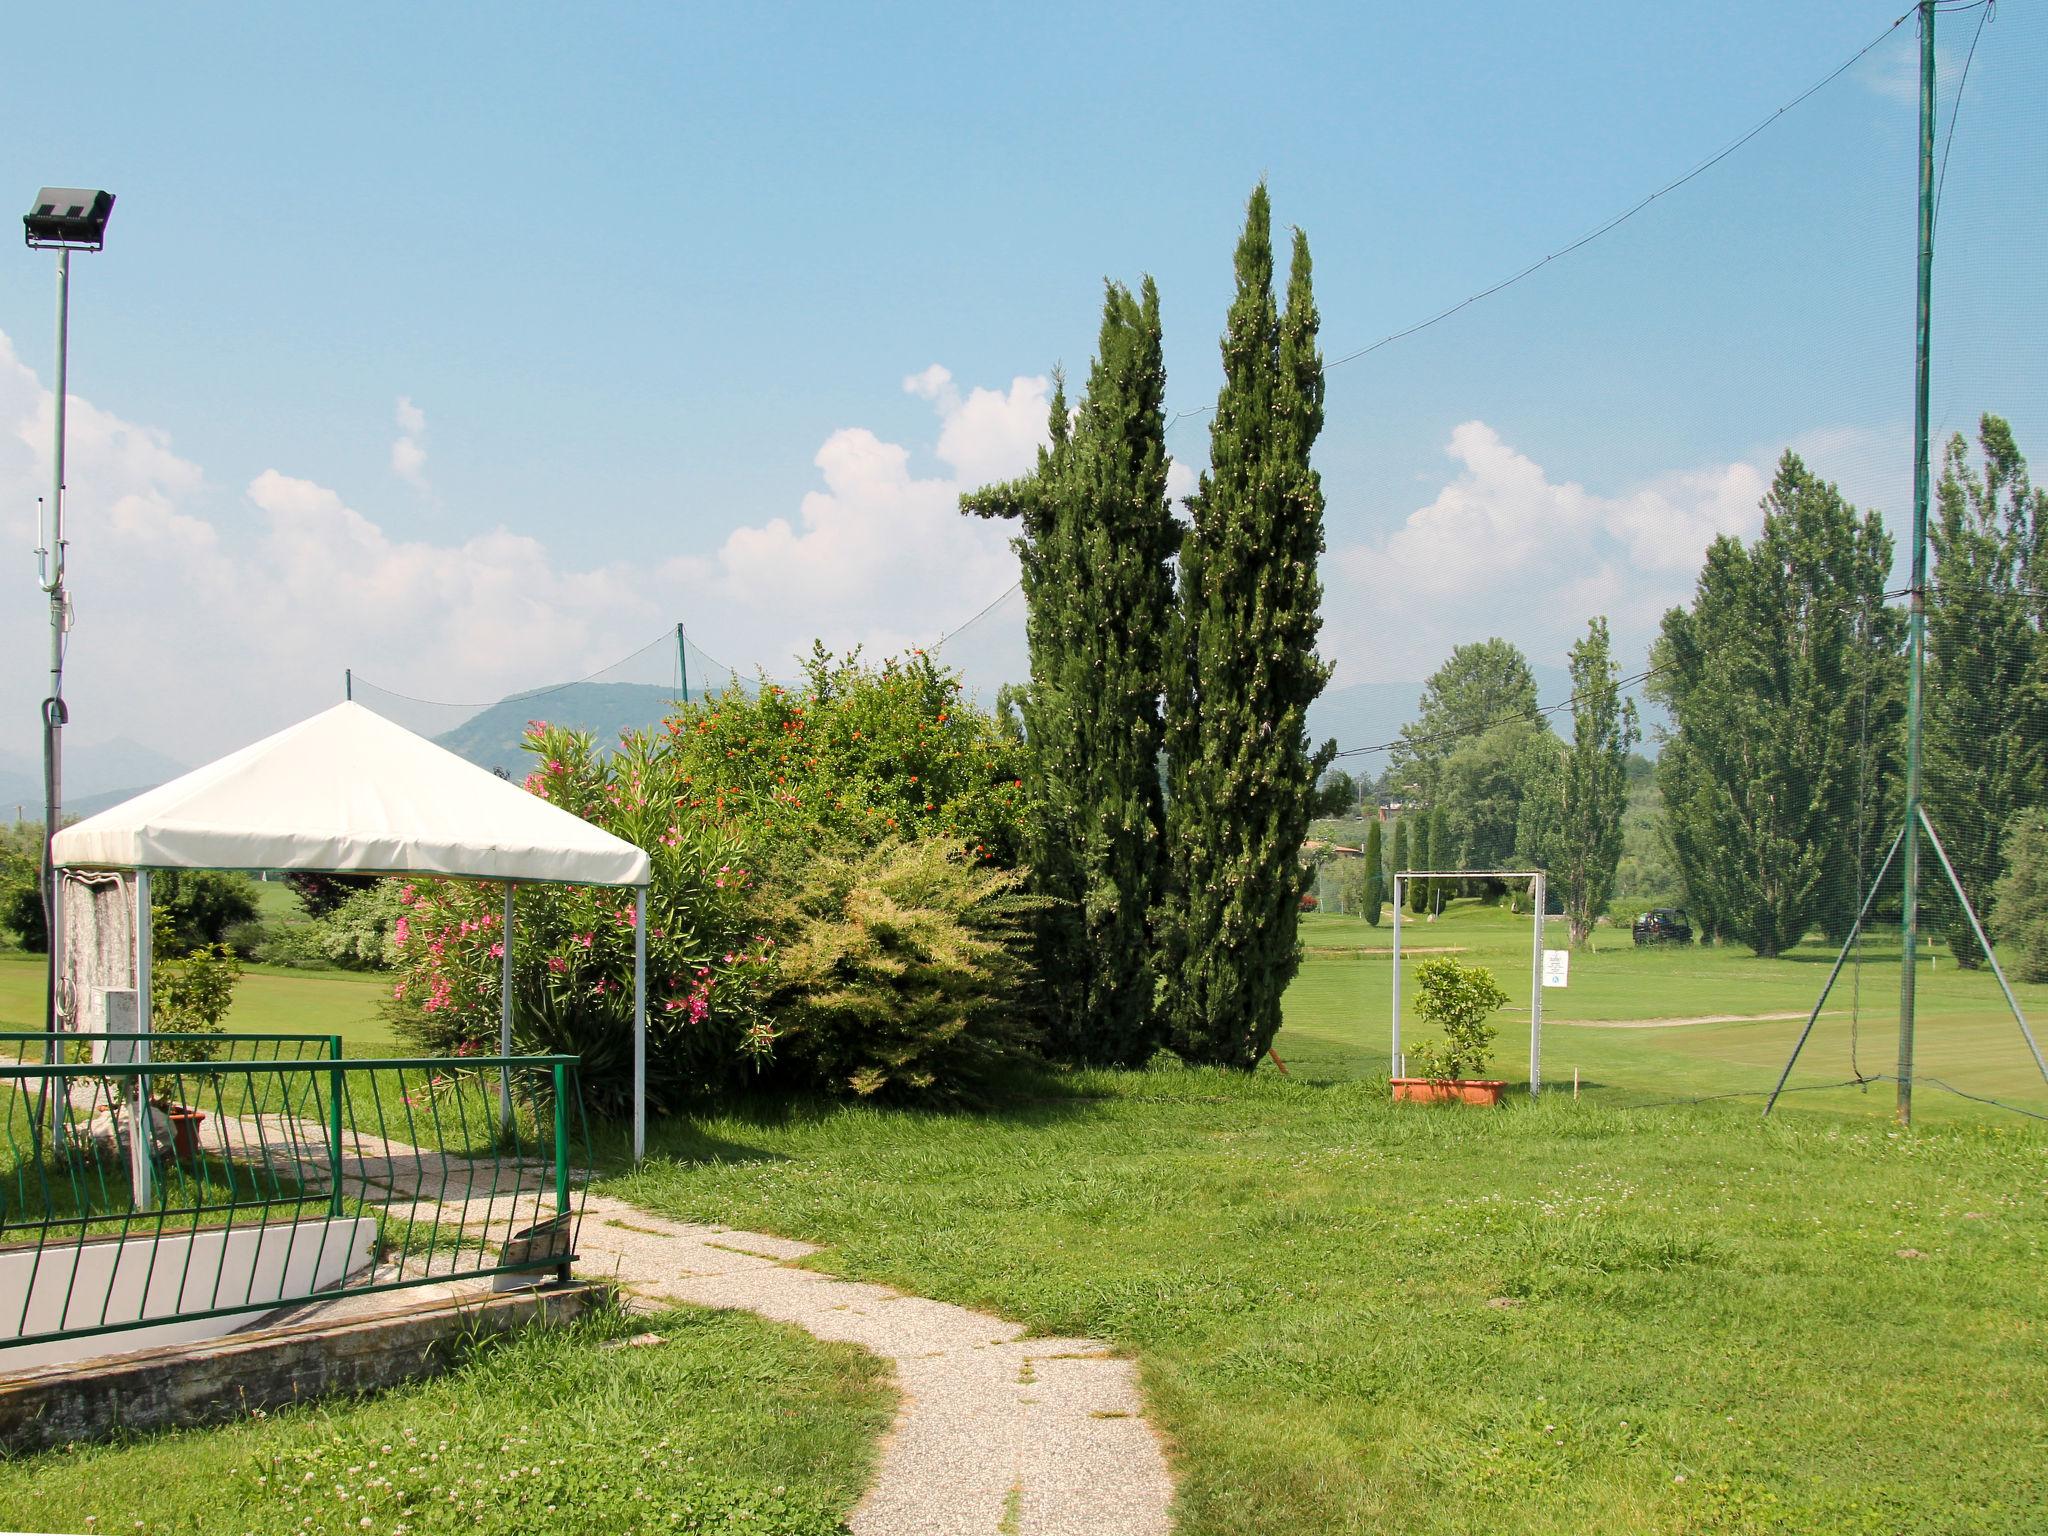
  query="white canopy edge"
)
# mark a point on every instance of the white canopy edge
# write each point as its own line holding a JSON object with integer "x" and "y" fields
{"x": 349, "y": 792}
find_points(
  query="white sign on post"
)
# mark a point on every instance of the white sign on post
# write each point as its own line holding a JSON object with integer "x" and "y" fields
{"x": 1557, "y": 964}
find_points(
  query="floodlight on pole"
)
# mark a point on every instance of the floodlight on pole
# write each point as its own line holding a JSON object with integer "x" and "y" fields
{"x": 63, "y": 219}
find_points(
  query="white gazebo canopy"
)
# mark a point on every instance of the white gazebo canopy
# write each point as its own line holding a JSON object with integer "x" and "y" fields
{"x": 349, "y": 792}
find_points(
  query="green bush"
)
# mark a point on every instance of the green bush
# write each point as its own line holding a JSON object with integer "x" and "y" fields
{"x": 2019, "y": 912}
{"x": 356, "y": 933}
{"x": 189, "y": 994}
{"x": 856, "y": 756}
{"x": 901, "y": 972}
{"x": 758, "y": 811}
{"x": 1457, "y": 999}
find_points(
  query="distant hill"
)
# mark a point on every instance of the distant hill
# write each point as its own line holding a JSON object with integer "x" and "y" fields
{"x": 95, "y": 777}
{"x": 492, "y": 739}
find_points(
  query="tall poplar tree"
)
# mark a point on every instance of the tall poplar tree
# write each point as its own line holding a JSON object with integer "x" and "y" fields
{"x": 1242, "y": 670}
{"x": 1764, "y": 675}
{"x": 1987, "y": 668}
{"x": 1098, "y": 536}
{"x": 1571, "y": 811}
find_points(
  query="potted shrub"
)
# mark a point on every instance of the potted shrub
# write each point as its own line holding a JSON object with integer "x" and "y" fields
{"x": 1457, "y": 999}
{"x": 192, "y": 997}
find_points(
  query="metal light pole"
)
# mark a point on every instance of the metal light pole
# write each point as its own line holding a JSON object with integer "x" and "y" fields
{"x": 64, "y": 219}
{"x": 1909, "y": 931}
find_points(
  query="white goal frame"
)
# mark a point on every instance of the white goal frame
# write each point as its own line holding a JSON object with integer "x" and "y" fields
{"x": 1537, "y": 894}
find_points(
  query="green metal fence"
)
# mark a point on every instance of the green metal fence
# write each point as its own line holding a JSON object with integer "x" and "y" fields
{"x": 137, "y": 1192}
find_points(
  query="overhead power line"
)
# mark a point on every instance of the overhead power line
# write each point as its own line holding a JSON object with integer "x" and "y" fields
{"x": 1614, "y": 223}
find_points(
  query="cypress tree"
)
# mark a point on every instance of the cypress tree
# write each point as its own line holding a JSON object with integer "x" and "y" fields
{"x": 1397, "y": 856}
{"x": 1440, "y": 852}
{"x": 1419, "y": 854}
{"x": 1098, "y": 536}
{"x": 1241, "y": 672}
{"x": 1375, "y": 874}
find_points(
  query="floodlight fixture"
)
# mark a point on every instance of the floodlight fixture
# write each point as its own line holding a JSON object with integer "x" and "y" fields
{"x": 68, "y": 219}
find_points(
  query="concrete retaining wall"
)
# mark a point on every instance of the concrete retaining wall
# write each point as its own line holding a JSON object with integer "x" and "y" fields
{"x": 186, "y": 1386}
{"x": 121, "y": 1280}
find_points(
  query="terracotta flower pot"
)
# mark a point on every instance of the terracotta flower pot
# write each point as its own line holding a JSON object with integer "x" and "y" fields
{"x": 185, "y": 1125}
{"x": 1464, "y": 1090}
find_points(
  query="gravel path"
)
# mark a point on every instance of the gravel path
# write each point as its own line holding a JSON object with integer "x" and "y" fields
{"x": 995, "y": 1435}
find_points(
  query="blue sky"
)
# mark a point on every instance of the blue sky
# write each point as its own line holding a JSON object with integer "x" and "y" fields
{"x": 551, "y": 319}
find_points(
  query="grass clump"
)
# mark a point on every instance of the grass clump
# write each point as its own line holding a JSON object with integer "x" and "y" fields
{"x": 728, "y": 1424}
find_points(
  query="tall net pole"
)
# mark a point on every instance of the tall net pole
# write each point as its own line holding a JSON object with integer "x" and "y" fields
{"x": 1909, "y": 918}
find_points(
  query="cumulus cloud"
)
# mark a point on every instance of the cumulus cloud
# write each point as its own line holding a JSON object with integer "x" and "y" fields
{"x": 1505, "y": 549}
{"x": 880, "y": 543}
{"x": 409, "y": 452}
{"x": 207, "y": 615}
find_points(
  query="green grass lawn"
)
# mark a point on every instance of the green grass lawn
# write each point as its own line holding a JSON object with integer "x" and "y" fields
{"x": 341, "y": 1003}
{"x": 1353, "y": 1316}
{"x": 549, "y": 1432}
{"x": 1338, "y": 1023}
{"x": 1559, "y": 1317}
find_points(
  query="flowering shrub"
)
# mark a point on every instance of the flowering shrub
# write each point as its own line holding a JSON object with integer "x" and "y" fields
{"x": 572, "y": 946}
{"x": 738, "y": 802}
{"x": 857, "y": 755}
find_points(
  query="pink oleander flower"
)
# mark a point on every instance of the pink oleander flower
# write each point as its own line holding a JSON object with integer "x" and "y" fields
{"x": 584, "y": 939}
{"x": 557, "y": 964}
{"x": 406, "y": 897}
{"x": 497, "y": 951}
{"x": 403, "y": 932}
{"x": 399, "y": 990}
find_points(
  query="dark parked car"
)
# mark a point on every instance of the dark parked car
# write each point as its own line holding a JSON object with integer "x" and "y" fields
{"x": 1665, "y": 925}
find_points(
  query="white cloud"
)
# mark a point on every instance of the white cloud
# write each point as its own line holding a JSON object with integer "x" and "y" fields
{"x": 206, "y": 617}
{"x": 1504, "y": 549}
{"x": 408, "y": 453}
{"x": 880, "y": 543}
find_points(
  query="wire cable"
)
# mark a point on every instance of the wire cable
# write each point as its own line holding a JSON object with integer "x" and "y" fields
{"x": 1612, "y": 224}
{"x": 1956, "y": 111}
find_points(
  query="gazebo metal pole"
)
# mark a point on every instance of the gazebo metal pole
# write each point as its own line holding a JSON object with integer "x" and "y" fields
{"x": 639, "y": 1023}
{"x": 1537, "y": 889}
{"x": 138, "y": 1122}
{"x": 505, "y": 1013}
{"x": 1394, "y": 1067}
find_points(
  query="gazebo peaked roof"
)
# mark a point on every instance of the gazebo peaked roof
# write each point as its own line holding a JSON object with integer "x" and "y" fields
{"x": 350, "y": 792}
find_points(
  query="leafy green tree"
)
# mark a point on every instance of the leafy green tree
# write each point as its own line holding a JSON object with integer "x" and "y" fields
{"x": 1098, "y": 538}
{"x": 2019, "y": 915}
{"x": 1481, "y": 685}
{"x": 1762, "y": 676}
{"x": 1482, "y": 787}
{"x": 1242, "y": 671}
{"x": 1571, "y": 817}
{"x": 1375, "y": 899}
{"x": 21, "y": 888}
{"x": 1987, "y": 701}
{"x": 1336, "y": 795}
{"x": 201, "y": 906}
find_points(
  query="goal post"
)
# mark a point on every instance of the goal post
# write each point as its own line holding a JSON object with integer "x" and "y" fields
{"x": 1537, "y": 898}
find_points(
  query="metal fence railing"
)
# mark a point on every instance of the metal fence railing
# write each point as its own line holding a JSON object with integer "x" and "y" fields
{"x": 137, "y": 1192}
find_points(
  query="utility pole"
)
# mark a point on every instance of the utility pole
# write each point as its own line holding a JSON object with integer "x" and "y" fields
{"x": 1906, "y": 846}
{"x": 1909, "y": 907}
{"x": 64, "y": 219}
{"x": 50, "y": 555}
